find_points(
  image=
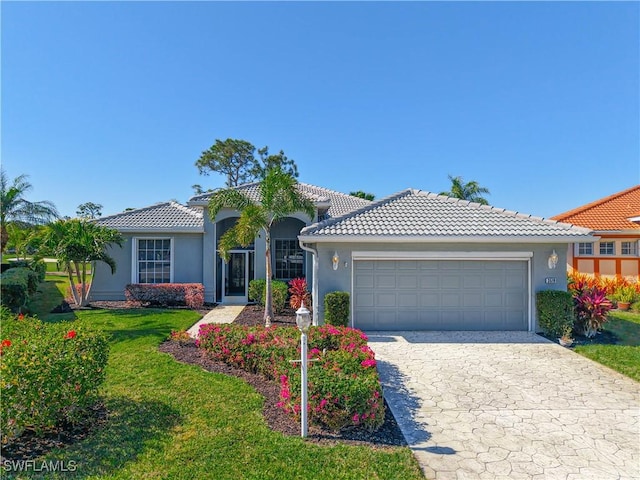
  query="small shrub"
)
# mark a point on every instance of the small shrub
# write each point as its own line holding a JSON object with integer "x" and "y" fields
{"x": 555, "y": 312}
{"x": 336, "y": 308}
{"x": 591, "y": 306}
{"x": 49, "y": 373}
{"x": 344, "y": 387}
{"x": 279, "y": 290}
{"x": 180, "y": 336}
{"x": 257, "y": 288}
{"x": 37, "y": 266}
{"x": 166, "y": 294}
{"x": 635, "y": 307}
{"x": 625, "y": 293}
{"x": 299, "y": 293}
{"x": 16, "y": 285}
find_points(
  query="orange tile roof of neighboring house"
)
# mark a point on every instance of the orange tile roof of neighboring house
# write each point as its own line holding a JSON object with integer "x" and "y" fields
{"x": 611, "y": 213}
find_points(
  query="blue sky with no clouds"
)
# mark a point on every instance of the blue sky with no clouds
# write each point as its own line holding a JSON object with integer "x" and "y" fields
{"x": 113, "y": 102}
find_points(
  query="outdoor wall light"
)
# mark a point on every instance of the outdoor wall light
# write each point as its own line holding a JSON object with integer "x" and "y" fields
{"x": 553, "y": 260}
{"x": 335, "y": 260}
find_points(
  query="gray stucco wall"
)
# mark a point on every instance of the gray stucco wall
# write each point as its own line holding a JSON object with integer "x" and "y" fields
{"x": 330, "y": 280}
{"x": 187, "y": 264}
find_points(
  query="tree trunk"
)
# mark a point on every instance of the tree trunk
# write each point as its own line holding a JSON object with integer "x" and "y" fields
{"x": 4, "y": 238}
{"x": 72, "y": 286}
{"x": 84, "y": 293}
{"x": 268, "y": 303}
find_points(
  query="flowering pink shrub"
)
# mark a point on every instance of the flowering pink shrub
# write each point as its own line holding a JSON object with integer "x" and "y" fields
{"x": 49, "y": 373}
{"x": 166, "y": 294}
{"x": 344, "y": 387}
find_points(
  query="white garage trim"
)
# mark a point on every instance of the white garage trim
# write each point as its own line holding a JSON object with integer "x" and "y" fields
{"x": 448, "y": 255}
{"x": 441, "y": 255}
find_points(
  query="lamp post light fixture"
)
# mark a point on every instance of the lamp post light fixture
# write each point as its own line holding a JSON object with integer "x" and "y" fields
{"x": 553, "y": 260}
{"x": 303, "y": 321}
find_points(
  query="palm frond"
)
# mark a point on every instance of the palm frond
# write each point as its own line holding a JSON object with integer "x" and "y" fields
{"x": 227, "y": 198}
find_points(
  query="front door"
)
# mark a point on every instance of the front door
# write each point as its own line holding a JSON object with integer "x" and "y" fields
{"x": 236, "y": 275}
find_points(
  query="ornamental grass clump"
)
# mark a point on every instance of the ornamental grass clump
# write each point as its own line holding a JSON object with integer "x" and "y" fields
{"x": 343, "y": 382}
{"x": 49, "y": 373}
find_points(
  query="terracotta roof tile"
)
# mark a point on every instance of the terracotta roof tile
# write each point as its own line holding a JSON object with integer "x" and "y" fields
{"x": 611, "y": 213}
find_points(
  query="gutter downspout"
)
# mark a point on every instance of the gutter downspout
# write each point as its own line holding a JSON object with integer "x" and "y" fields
{"x": 314, "y": 284}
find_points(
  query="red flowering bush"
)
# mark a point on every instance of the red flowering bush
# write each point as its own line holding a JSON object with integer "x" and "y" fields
{"x": 298, "y": 293}
{"x": 166, "y": 294}
{"x": 48, "y": 373}
{"x": 344, "y": 387}
{"x": 591, "y": 306}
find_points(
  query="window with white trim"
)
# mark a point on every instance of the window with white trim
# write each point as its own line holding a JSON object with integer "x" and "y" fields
{"x": 607, "y": 248}
{"x": 153, "y": 260}
{"x": 289, "y": 259}
{"x": 585, "y": 248}
{"x": 629, "y": 248}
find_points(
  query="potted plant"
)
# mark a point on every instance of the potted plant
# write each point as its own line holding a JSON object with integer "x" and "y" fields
{"x": 624, "y": 296}
{"x": 566, "y": 340}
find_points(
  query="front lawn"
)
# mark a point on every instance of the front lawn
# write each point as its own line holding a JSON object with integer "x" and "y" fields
{"x": 624, "y": 355}
{"x": 171, "y": 420}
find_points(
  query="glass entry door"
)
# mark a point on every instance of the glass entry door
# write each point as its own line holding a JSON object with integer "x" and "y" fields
{"x": 237, "y": 273}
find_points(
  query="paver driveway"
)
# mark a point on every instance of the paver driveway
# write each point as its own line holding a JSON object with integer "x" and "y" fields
{"x": 508, "y": 405}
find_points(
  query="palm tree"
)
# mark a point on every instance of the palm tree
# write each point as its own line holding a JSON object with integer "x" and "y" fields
{"x": 76, "y": 243}
{"x": 470, "y": 191}
{"x": 279, "y": 198}
{"x": 14, "y": 208}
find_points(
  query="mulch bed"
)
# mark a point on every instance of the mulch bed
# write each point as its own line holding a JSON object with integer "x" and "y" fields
{"x": 604, "y": 337}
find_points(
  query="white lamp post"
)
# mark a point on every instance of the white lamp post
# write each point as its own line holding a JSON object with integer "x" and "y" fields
{"x": 303, "y": 321}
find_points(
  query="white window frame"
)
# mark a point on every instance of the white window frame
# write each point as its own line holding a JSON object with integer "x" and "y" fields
{"x": 577, "y": 252}
{"x": 275, "y": 249}
{"x": 135, "y": 261}
{"x": 632, "y": 243}
{"x": 601, "y": 244}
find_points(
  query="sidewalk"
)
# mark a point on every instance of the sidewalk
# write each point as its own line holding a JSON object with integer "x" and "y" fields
{"x": 219, "y": 314}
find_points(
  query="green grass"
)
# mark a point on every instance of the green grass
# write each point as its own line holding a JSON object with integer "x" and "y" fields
{"x": 624, "y": 357}
{"x": 170, "y": 420}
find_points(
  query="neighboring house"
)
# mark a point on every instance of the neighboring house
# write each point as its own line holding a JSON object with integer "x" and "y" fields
{"x": 616, "y": 220}
{"x": 414, "y": 260}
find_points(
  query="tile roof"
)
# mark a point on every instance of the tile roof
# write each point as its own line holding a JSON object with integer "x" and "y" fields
{"x": 415, "y": 214}
{"x": 167, "y": 216}
{"x": 338, "y": 203}
{"x": 611, "y": 213}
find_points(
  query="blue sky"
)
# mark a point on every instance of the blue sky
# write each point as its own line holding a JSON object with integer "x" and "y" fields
{"x": 113, "y": 102}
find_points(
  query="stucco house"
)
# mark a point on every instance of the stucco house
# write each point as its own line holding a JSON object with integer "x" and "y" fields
{"x": 413, "y": 260}
{"x": 616, "y": 221}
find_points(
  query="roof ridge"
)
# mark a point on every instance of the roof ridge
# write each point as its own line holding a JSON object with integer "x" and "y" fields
{"x": 331, "y": 191}
{"x": 595, "y": 203}
{"x": 187, "y": 209}
{"x": 371, "y": 206}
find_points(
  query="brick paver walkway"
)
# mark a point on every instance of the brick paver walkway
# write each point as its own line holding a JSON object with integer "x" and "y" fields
{"x": 508, "y": 405}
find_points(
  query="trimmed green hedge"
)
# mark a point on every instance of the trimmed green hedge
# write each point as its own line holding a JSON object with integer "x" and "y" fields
{"x": 49, "y": 373}
{"x": 555, "y": 312}
{"x": 279, "y": 292}
{"x": 336, "y": 308}
{"x": 17, "y": 285}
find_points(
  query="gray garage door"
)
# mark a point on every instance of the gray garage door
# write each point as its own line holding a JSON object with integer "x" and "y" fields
{"x": 440, "y": 295}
